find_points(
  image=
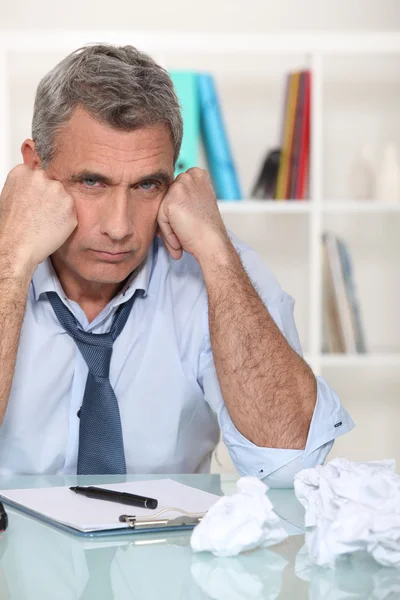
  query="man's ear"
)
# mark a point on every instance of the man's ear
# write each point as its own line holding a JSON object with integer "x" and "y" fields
{"x": 30, "y": 158}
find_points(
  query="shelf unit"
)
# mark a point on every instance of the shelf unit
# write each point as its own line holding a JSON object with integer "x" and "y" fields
{"x": 315, "y": 49}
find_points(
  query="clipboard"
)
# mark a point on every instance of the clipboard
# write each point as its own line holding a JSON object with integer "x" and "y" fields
{"x": 134, "y": 525}
{"x": 67, "y": 512}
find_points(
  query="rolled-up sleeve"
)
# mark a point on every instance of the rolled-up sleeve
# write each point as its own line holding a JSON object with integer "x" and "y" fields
{"x": 276, "y": 466}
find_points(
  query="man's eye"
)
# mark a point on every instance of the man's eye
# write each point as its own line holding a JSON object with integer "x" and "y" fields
{"x": 89, "y": 182}
{"x": 148, "y": 186}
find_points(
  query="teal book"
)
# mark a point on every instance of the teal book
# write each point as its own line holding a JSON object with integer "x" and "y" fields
{"x": 185, "y": 84}
{"x": 218, "y": 152}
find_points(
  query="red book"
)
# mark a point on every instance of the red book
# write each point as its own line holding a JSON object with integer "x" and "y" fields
{"x": 296, "y": 145}
{"x": 304, "y": 160}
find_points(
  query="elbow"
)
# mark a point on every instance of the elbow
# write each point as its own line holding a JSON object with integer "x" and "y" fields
{"x": 309, "y": 396}
{"x": 284, "y": 476}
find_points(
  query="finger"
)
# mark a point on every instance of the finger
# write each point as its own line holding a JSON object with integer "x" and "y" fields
{"x": 167, "y": 231}
{"x": 195, "y": 171}
{"x": 168, "y": 236}
{"x": 176, "y": 254}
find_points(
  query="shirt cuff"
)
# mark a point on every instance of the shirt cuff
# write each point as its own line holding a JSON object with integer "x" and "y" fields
{"x": 278, "y": 466}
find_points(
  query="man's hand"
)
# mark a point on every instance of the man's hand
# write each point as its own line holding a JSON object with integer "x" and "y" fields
{"x": 37, "y": 216}
{"x": 189, "y": 218}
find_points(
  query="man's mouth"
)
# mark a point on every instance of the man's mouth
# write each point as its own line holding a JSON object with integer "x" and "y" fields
{"x": 111, "y": 256}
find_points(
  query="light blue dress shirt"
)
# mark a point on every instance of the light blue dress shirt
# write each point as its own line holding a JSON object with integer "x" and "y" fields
{"x": 163, "y": 374}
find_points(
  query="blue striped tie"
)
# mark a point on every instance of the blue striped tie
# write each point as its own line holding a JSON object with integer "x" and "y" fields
{"x": 101, "y": 446}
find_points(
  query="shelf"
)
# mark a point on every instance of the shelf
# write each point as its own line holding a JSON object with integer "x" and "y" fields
{"x": 359, "y": 360}
{"x": 306, "y": 206}
{"x": 362, "y": 206}
{"x": 349, "y": 42}
{"x": 265, "y": 206}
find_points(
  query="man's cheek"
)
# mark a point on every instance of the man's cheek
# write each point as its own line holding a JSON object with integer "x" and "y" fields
{"x": 89, "y": 222}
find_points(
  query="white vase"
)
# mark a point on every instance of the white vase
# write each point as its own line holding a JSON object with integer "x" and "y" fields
{"x": 362, "y": 175}
{"x": 388, "y": 184}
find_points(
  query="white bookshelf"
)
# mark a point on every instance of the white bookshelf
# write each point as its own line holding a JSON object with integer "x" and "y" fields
{"x": 287, "y": 233}
{"x": 256, "y": 207}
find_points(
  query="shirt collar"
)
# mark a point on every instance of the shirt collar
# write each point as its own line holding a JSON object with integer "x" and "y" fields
{"x": 45, "y": 280}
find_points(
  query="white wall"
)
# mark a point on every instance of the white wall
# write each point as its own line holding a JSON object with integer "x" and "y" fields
{"x": 355, "y": 93}
{"x": 208, "y": 15}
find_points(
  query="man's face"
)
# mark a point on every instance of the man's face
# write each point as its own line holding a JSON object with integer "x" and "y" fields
{"x": 118, "y": 180}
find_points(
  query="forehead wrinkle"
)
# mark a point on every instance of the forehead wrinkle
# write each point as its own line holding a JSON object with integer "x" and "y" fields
{"x": 109, "y": 149}
{"x": 106, "y": 152}
{"x": 120, "y": 141}
{"x": 117, "y": 155}
{"x": 90, "y": 129}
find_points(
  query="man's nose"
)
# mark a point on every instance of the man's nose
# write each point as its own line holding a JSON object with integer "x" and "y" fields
{"x": 117, "y": 220}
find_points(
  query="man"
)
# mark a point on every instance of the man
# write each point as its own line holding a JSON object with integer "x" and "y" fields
{"x": 130, "y": 325}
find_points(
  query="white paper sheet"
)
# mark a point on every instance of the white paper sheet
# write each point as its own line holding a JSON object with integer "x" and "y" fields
{"x": 86, "y": 514}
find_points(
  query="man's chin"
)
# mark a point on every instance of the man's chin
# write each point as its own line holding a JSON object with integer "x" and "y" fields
{"x": 107, "y": 274}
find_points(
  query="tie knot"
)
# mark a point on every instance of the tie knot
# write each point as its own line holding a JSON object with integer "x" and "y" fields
{"x": 96, "y": 349}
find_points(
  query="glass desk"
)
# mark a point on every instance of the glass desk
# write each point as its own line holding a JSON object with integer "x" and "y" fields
{"x": 39, "y": 562}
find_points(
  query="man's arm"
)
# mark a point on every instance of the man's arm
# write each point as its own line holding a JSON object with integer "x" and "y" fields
{"x": 276, "y": 466}
{"x": 14, "y": 285}
{"x": 36, "y": 217}
{"x": 268, "y": 389}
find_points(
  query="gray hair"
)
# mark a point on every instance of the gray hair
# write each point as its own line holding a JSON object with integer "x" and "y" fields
{"x": 118, "y": 85}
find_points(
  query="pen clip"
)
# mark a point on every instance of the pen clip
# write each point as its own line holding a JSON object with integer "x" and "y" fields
{"x": 190, "y": 519}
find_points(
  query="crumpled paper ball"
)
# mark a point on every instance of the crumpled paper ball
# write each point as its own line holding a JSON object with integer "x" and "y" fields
{"x": 243, "y": 521}
{"x": 351, "y": 507}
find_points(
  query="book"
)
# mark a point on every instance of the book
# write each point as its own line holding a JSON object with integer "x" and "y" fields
{"x": 292, "y": 181}
{"x": 347, "y": 270}
{"x": 342, "y": 326}
{"x": 213, "y": 132}
{"x": 340, "y": 293}
{"x": 292, "y": 88}
{"x": 332, "y": 338}
{"x": 302, "y": 176}
{"x": 278, "y": 185}
{"x": 294, "y": 119}
{"x": 185, "y": 84}
{"x": 295, "y": 153}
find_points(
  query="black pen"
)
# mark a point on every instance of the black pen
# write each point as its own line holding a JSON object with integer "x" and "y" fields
{"x": 113, "y": 496}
